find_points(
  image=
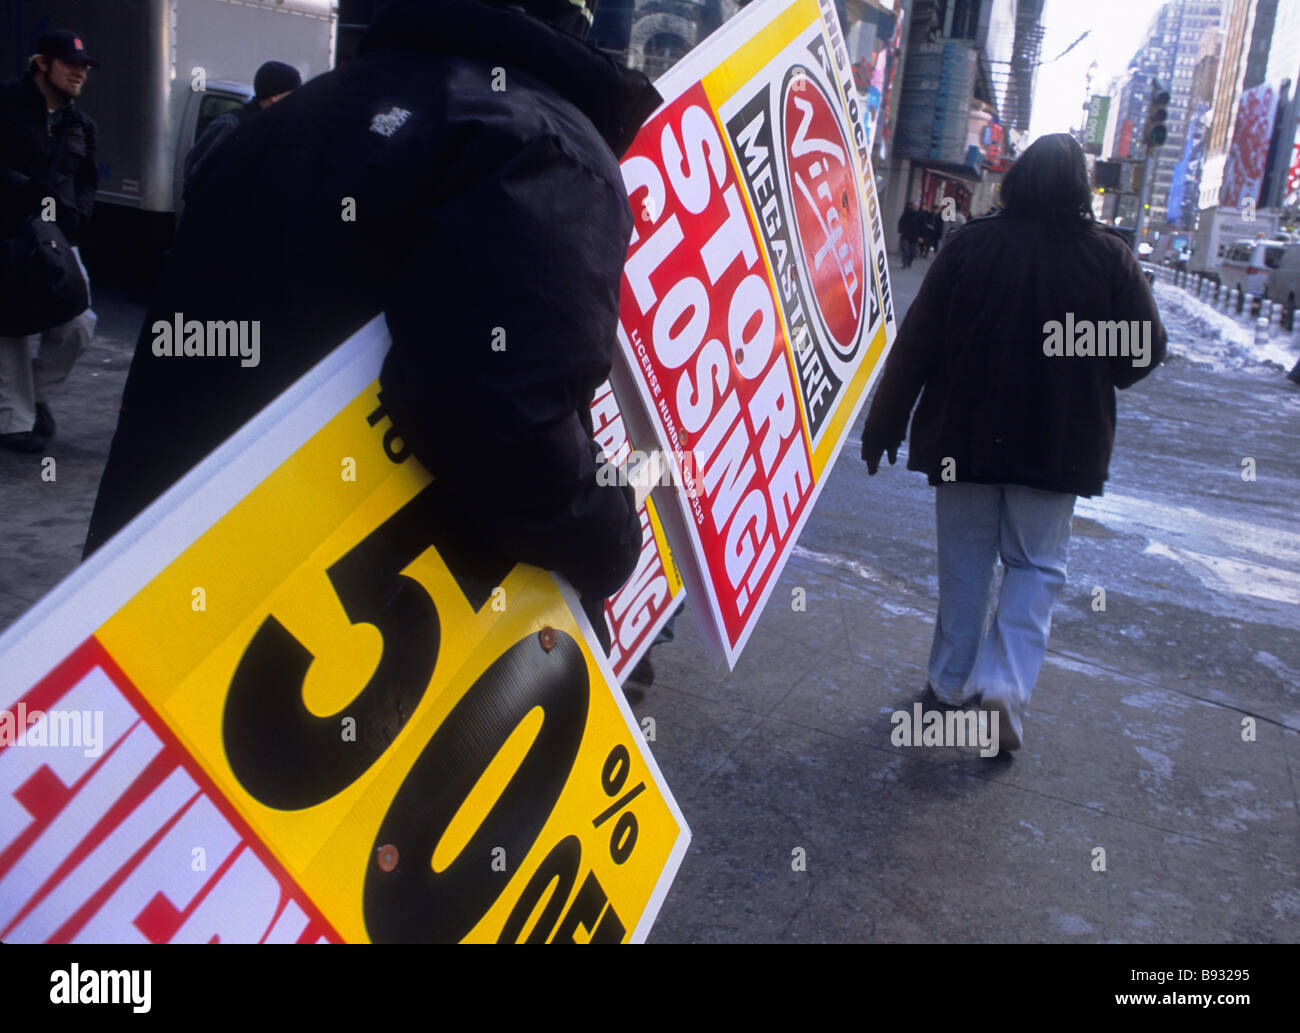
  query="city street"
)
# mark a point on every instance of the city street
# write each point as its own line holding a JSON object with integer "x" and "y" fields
{"x": 1155, "y": 798}
{"x": 1133, "y": 738}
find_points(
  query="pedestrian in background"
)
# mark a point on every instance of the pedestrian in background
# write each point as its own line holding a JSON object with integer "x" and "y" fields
{"x": 274, "y": 81}
{"x": 47, "y": 163}
{"x": 1009, "y": 430}
{"x": 951, "y": 226}
{"x": 933, "y": 230}
{"x": 909, "y": 231}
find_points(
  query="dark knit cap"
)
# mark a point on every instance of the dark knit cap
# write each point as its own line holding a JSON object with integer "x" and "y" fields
{"x": 571, "y": 16}
{"x": 274, "y": 78}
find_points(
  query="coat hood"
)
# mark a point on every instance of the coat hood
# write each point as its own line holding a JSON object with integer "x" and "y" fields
{"x": 617, "y": 100}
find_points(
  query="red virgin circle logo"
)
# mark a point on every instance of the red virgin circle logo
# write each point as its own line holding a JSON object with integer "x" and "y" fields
{"x": 820, "y": 170}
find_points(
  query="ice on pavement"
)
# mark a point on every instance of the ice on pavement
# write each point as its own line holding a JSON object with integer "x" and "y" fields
{"x": 1209, "y": 339}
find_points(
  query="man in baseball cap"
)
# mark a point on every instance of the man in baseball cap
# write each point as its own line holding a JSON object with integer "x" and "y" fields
{"x": 62, "y": 45}
{"x": 47, "y": 164}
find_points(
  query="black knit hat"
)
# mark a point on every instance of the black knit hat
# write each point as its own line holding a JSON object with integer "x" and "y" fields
{"x": 275, "y": 78}
{"x": 571, "y": 16}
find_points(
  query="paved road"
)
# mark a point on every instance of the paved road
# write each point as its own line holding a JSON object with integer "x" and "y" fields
{"x": 1136, "y": 811}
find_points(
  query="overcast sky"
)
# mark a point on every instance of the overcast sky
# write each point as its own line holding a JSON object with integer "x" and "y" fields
{"x": 1117, "y": 27}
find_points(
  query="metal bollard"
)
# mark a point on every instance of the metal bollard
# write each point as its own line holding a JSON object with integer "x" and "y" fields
{"x": 1261, "y": 332}
{"x": 1241, "y": 299}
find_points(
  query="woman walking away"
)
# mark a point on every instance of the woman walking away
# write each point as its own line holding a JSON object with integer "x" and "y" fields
{"x": 1026, "y": 323}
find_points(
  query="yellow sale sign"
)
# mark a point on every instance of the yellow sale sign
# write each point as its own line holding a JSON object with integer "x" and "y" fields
{"x": 313, "y": 724}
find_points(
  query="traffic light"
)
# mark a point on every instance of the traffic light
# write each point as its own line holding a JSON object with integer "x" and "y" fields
{"x": 1157, "y": 115}
{"x": 1107, "y": 175}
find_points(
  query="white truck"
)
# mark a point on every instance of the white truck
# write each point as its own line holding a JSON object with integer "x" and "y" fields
{"x": 168, "y": 68}
{"x": 1218, "y": 229}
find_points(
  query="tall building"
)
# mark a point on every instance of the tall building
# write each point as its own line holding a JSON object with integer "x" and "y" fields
{"x": 1171, "y": 50}
{"x": 1023, "y": 72}
{"x": 1205, "y": 72}
{"x": 1227, "y": 90}
{"x": 1241, "y": 38}
{"x": 1258, "y": 73}
{"x": 968, "y": 77}
{"x": 1184, "y": 198}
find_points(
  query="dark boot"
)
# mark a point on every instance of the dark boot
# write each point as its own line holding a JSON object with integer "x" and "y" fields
{"x": 44, "y": 421}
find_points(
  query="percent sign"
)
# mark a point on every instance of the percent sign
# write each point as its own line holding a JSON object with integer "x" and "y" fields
{"x": 612, "y": 776}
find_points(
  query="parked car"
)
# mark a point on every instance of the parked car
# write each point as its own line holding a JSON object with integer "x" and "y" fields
{"x": 1248, "y": 263}
{"x": 1284, "y": 282}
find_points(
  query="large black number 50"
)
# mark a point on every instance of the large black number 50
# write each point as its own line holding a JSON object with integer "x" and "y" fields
{"x": 283, "y": 754}
{"x": 415, "y": 904}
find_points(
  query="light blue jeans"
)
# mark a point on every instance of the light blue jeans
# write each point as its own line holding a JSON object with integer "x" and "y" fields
{"x": 1030, "y": 530}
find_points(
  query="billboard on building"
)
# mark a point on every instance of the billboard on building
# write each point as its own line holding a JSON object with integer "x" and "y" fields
{"x": 1094, "y": 130}
{"x": 1125, "y": 143}
{"x": 1291, "y": 191}
{"x": 1243, "y": 174}
{"x": 1182, "y": 207}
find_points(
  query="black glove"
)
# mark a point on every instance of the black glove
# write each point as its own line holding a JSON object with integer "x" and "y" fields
{"x": 872, "y": 450}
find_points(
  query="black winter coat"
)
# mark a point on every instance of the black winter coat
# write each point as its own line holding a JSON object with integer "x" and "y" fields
{"x": 36, "y": 163}
{"x": 910, "y": 225}
{"x": 973, "y": 347}
{"x": 214, "y": 134}
{"x": 478, "y": 148}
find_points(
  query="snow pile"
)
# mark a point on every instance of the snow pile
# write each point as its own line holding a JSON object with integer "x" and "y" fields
{"x": 1208, "y": 339}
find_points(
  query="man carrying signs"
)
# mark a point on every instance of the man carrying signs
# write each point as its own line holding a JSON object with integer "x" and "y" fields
{"x": 461, "y": 177}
